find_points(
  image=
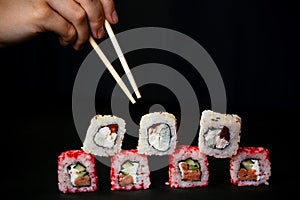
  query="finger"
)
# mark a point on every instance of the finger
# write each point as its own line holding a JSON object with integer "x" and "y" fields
{"x": 53, "y": 22}
{"x": 77, "y": 16}
{"x": 110, "y": 11}
{"x": 95, "y": 15}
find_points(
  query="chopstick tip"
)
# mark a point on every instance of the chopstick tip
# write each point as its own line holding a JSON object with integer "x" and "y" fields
{"x": 137, "y": 93}
{"x": 132, "y": 101}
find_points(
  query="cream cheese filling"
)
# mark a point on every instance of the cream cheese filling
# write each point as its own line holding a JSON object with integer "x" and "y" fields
{"x": 105, "y": 138}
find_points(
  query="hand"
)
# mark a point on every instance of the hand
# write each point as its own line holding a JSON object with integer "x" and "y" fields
{"x": 72, "y": 20}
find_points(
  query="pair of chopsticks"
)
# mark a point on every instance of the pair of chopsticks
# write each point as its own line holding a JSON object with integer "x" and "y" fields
{"x": 122, "y": 60}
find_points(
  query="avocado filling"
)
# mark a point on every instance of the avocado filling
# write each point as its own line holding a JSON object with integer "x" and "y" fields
{"x": 106, "y": 136}
{"x": 190, "y": 170}
{"x": 128, "y": 173}
{"x": 249, "y": 170}
{"x": 217, "y": 138}
{"x": 79, "y": 177}
{"x": 159, "y": 136}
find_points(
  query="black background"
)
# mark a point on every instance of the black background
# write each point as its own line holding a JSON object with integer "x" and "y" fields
{"x": 255, "y": 45}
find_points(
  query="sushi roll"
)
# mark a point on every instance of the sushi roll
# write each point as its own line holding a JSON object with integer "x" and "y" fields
{"x": 157, "y": 134}
{"x": 219, "y": 134}
{"x": 76, "y": 172}
{"x": 251, "y": 166}
{"x": 188, "y": 168}
{"x": 104, "y": 135}
{"x": 130, "y": 171}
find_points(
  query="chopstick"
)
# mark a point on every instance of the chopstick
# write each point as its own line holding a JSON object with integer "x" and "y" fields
{"x": 122, "y": 58}
{"x": 111, "y": 69}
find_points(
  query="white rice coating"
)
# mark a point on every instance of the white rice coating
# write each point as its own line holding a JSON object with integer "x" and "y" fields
{"x": 154, "y": 118}
{"x": 100, "y": 121}
{"x": 214, "y": 120}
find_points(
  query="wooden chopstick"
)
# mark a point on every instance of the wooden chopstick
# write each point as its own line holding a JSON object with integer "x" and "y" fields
{"x": 111, "y": 69}
{"x": 122, "y": 58}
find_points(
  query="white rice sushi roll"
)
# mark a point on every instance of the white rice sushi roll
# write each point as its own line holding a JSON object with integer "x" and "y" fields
{"x": 251, "y": 166}
{"x": 188, "y": 168}
{"x": 219, "y": 134}
{"x": 105, "y": 135}
{"x": 77, "y": 172}
{"x": 129, "y": 171}
{"x": 157, "y": 134}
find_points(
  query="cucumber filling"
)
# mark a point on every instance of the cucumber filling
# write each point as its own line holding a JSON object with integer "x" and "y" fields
{"x": 190, "y": 170}
{"x": 128, "y": 173}
{"x": 79, "y": 177}
{"x": 159, "y": 136}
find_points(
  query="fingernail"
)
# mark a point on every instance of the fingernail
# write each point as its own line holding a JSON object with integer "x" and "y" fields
{"x": 100, "y": 32}
{"x": 114, "y": 16}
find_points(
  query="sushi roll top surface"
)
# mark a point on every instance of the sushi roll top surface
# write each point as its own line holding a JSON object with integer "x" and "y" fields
{"x": 250, "y": 166}
{"x": 129, "y": 170}
{"x": 76, "y": 172}
{"x": 157, "y": 134}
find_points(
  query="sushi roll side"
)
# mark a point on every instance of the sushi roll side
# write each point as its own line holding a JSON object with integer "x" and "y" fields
{"x": 129, "y": 171}
{"x": 219, "y": 134}
{"x": 188, "y": 168}
{"x": 105, "y": 135}
{"x": 251, "y": 166}
{"x": 157, "y": 134}
{"x": 76, "y": 172}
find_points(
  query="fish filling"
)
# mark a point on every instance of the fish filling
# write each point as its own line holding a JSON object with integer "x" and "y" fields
{"x": 79, "y": 177}
{"x": 249, "y": 170}
{"x": 106, "y": 136}
{"x": 159, "y": 136}
{"x": 217, "y": 138}
{"x": 128, "y": 173}
{"x": 190, "y": 170}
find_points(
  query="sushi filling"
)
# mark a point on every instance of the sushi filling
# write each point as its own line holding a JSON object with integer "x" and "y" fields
{"x": 106, "y": 136}
{"x": 217, "y": 138}
{"x": 79, "y": 177}
{"x": 190, "y": 170}
{"x": 128, "y": 174}
{"x": 159, "y": 136}
{"x": 249, "y": 170}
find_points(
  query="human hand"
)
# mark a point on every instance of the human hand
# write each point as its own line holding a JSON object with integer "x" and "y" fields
{"x": 72, "y": 20}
